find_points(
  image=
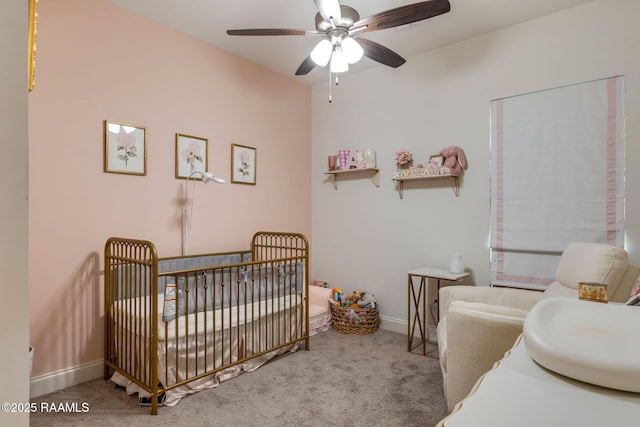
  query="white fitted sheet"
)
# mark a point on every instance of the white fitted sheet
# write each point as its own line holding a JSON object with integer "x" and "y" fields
{"x": 131, "y": 314}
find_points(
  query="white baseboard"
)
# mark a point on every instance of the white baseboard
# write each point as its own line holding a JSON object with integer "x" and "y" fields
{"x": 64, "y": 378}
{"x": 401, "y": 327}
{"x": 393, "y": 325}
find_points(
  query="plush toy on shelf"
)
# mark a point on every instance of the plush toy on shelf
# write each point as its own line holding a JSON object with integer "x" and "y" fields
{"x": 455, "y": 160}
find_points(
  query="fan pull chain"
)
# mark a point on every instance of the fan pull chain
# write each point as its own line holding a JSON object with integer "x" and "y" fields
{"x": 337, "y": 83}
{"x": 330, "y": 98}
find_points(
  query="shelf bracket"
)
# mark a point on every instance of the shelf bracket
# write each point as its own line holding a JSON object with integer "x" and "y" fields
{"x": 455, "y": 184}
{"x": 399, "y": 187}
{"x": 332, "y": 180}
{"x": 375, "y": 178}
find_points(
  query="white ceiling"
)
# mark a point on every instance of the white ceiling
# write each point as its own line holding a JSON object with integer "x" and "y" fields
{"x": 208, "y": 20}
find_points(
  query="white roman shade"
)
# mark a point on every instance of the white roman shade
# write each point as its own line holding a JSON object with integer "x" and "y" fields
{"x": 557, "y": 176}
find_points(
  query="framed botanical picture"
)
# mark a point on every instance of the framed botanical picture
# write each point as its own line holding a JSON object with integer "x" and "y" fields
{"x": 125, "y": 148}
{"x": 243, "y": 164}
{"x": 192, "y": 154}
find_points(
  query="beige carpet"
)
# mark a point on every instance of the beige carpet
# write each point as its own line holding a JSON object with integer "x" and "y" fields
{"x": 344, "y": 380}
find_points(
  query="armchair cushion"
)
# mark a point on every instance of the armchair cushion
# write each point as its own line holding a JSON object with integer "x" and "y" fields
{"x": 593, "y": 262}
{"x": 623, "y": 291}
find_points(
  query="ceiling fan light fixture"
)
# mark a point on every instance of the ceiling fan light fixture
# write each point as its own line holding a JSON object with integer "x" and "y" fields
{"x": 352, "y": 50}
{"x": 341, "y": 24}
{"x": 322, "y": 53}
{"x": 339, "y": 62}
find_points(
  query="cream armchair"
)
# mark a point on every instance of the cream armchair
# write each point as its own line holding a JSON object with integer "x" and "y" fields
{"x": 478, "y": 324}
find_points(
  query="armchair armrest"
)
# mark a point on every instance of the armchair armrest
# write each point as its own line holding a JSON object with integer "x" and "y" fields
{"x": 478, "y": 335}
{"x": 520, "y": 299}
{"x": 477, "y": 325}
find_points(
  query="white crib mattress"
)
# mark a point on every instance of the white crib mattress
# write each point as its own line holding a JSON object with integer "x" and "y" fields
{"x": 196, "y": 323}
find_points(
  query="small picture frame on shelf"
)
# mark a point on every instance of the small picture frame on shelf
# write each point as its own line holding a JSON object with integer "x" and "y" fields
{"x": 243, "y": 164}
{"x": 125, "y": 148}
{"x": 192, "y": 154}
{"x": 438, "y": 159}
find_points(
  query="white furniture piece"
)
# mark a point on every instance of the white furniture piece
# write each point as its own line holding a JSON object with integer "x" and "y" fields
{"x": 478, "y": 323}
{"x": 588, "y": 341}
{"x": 571, "y": 338}
{"x": 417, "y": 301}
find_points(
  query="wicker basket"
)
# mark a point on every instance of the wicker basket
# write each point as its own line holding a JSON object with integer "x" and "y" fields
{"x": 342, "y": 322}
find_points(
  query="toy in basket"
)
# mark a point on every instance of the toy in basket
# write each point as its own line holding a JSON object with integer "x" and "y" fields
{"x": 356, "y": 313}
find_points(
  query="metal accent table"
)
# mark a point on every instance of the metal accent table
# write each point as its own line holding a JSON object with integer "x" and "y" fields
{"x": 421, "y": 298}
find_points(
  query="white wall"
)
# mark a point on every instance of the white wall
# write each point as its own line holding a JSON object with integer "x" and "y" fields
{"x": 366, "y": 237}
{"x": 14, "y": 313}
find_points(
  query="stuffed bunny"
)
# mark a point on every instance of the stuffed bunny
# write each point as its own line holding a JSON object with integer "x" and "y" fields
{"x": 454, "y": 160}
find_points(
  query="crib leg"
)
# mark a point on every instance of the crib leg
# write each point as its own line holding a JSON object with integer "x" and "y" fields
{"x": 154, "y": 404}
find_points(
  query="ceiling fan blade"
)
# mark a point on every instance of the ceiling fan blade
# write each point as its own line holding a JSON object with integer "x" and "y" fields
{"x": 306, "y": 66}
{"x": 381, "y": 54}
{"x": 404, "y": 15}
{"x": 271, "y": 32}
{"x": 329, "y": 9}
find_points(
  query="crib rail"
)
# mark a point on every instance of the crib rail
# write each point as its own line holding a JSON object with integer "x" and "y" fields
{"x": 225, "y": 316}
{"x": 267, "y": 244}
{"x": 270, "y": 245}
{"x": 131, "y": 271}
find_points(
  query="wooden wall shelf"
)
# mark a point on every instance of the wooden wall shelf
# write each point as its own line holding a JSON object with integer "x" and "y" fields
{"x": 372, "y": 172}
{"x": 454, "y": 179}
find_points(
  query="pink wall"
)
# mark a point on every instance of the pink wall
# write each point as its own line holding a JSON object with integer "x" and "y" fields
{"x": 96, "y": 61}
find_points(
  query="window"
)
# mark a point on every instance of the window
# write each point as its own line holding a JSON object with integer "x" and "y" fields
{"x": 557, "y": 176}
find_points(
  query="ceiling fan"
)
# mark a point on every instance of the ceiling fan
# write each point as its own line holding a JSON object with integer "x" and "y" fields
{"x": 340, "y": 27}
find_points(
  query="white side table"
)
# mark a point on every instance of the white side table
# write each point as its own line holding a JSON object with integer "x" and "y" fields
{"x": 415, "y": 300}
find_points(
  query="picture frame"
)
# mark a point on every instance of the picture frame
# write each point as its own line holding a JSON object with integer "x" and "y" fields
{"x": 125, "y": 148}
{"x": 437, "y": 158}
{"x": 192, "y": 154}
{"x": 243, "y": 164}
